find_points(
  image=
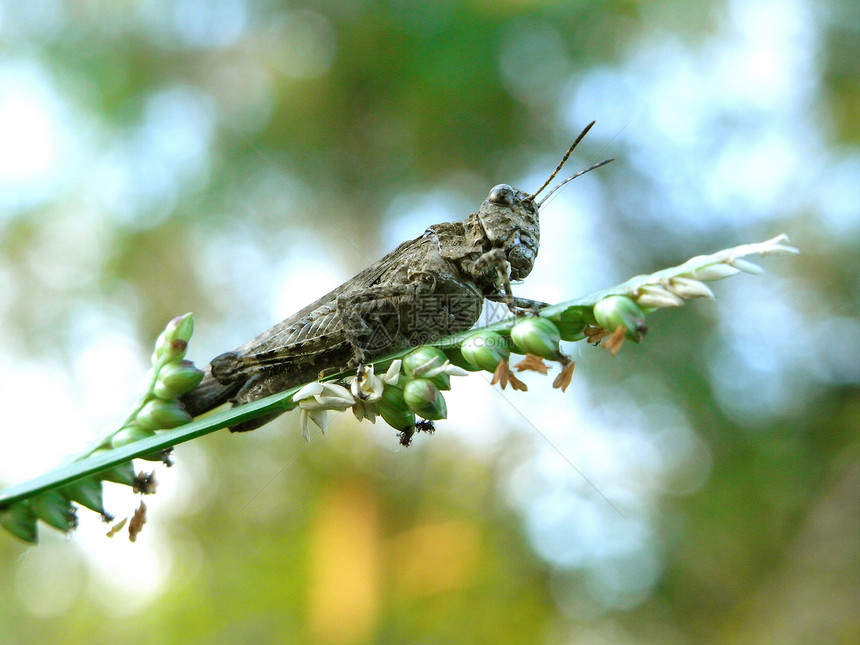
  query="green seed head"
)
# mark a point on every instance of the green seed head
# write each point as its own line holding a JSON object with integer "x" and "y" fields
{"x": 455, "y": 355}
{"x": 159, "y": 414}
{"x": 485, "y": 349}
{"x": 130, "y": 434}
{"x": 175, "y": 379}
{"x": 393, "y": 408}
{"x": 538, "y": 336}
{"x": 424, "y": 399}
{"x": 613, "y": 311}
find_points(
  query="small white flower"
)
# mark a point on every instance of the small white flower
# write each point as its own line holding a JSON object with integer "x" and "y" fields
{"x": 367, "y": 390}
{"x": 393, "y": 373}
{"x": 455, "y": 370}
{"x": 315, "y": 399}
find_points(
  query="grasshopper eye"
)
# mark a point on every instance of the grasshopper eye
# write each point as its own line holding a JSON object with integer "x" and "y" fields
{"x": 503, "y": 195}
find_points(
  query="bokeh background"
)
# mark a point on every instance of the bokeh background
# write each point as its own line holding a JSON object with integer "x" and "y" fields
{"x": 239, "y": 158}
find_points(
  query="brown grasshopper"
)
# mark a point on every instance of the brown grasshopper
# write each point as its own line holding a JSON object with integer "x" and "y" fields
{"x": 426, "y": 288}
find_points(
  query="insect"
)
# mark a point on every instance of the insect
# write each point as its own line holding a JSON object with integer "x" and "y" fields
{"x": 426, "y": 288}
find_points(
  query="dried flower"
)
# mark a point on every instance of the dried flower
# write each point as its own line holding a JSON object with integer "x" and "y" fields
{"x": 503, "y": 375}
{"x": 532, "y": 363}
{"x": 564, "y": 377}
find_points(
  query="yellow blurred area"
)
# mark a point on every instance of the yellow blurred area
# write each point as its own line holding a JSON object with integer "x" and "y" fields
{"x": 345, "y": 564}
{"x": 350, "y": 560}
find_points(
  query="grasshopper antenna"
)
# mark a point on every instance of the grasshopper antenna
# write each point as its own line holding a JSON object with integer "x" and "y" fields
{"x": 574, "y": 176}
{"x": 563, "y": 161}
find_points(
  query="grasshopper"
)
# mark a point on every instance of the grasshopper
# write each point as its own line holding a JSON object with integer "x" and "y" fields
{"x": 426, "y": 288}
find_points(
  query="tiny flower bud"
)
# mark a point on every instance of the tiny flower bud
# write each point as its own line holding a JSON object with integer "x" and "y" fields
{"x": 538, "y": 336}
{"x": 181, "y": 328}
{"x": 175, "y": 379}
{"x": 485, "y": 349}
{"x": 173, "y": 341}
{"x": 615, "y": 311}
{"x": 425, "y": 399}
{"x": 159, "y": 414}
{"x": 393, "y": 409}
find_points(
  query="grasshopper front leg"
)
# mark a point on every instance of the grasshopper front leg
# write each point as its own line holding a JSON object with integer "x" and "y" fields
{"x": 519, "y": 306}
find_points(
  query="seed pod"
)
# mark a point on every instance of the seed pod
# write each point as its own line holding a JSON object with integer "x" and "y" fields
{"x": 55, "y": 509}
{"x": 485, "y": 349}
{"x": 424, "y": 399}
{"x": 615, "y": 311}
{"x": 393, "y": 408}
{"x": 175, "y": 379}
{"x": 20, "y": 520}
{"x": 159, "y": 414}
{"x": 120, "y": 474}
{"x": 455, "y": 355}
{"x": 87, "y": 492}
{"x": 571, "y": 325}
{"x": 538, "y": 336}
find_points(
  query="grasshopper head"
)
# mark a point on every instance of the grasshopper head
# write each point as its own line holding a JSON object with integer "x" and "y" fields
{"x": 509, "y": 219}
